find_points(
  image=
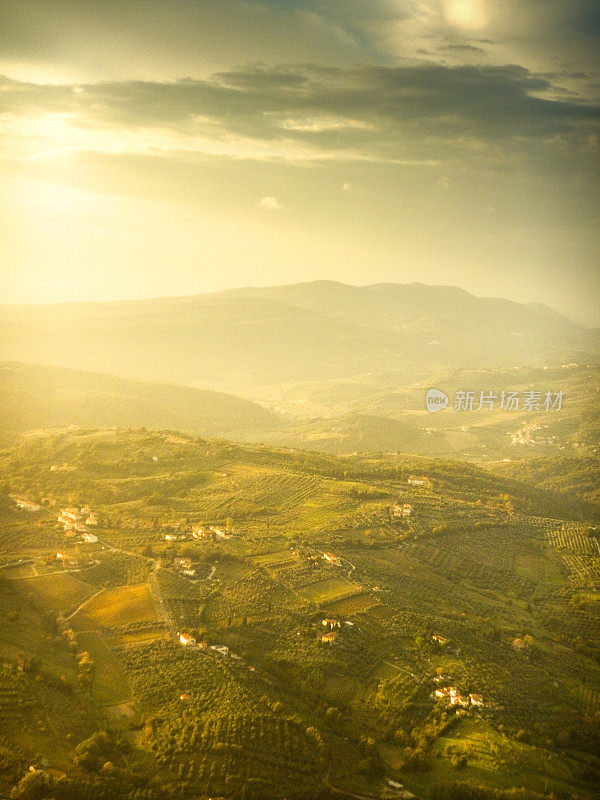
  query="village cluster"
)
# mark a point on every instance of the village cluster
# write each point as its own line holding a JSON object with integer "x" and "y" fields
{"x": 79, "y": 520}
{"x": 527, "y": 435}
{"x": 455, "y": 698}
{"x": 213, "y": 532}
{"x": 451, "y": 693}
{"x": 404, "y": 511}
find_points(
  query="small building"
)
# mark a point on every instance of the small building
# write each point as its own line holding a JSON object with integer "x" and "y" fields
{"x": 332, "y": 559}
{"x": 69, "y": 515}
{"x": 92, "y": 519}
{"x": 26, "y": 505}
{"x": 331, "y": 623}
{"x": 419, "y": 480}
{"x": 457, "y": 699}
{"x": 220, "y": 648}
{"x": 476, "y": 699}
{"x": 183, "y": 563}
{"x": 394, "y": 784}
{"x": 89, "y": 538}
{"x": 329, "y": 638}
{"x": 402, "y": 510}
{"x": 441, "y": 640}
{"x": 187, "y": 640}
{"x": 189, "y": 572}
{"x": 220, "y": 533}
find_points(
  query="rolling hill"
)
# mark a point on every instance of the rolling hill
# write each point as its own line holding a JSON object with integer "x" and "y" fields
{"x": 33, "y": 396}
{"x": 375, "y": 414}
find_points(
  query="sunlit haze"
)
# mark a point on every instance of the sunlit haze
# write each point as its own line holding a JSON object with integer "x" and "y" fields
{"x": 175, "y": 148}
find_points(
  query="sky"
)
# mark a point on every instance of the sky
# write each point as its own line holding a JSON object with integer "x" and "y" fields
{"x": 185, "y": 146}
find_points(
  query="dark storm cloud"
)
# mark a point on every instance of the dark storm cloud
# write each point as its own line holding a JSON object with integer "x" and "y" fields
{"x": 167, "y": 39}
{"x": 375, "y": 107}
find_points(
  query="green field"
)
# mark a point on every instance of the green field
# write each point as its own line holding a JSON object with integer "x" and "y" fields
{"x": 109, "y": 685}
{"x": 58, "y": 592}
{"x": 349, "y": 606}
{"x": 124, "y": 605}
{"x": 330, "y": 590}
{"x": 492, "y": 759}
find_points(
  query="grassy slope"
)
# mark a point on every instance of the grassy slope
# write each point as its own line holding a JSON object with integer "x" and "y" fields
{"x": 43, "y": 397}
{"x": 579, "y": 475}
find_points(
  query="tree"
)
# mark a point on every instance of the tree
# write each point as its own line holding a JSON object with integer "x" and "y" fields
{"x": 31, "y": 787}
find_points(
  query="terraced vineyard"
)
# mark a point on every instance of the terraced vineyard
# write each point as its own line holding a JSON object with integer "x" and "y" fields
{"x": 316, "y": 630}
{"x": 572, "y": 537}
{"x": 242, "y": 493}
{"x": 14, "y": 704}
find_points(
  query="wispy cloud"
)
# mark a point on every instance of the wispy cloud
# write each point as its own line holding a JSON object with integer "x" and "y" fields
{"x": 270, "y": 203}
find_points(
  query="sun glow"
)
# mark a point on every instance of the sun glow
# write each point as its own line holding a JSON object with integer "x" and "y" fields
{"x": 466, "y": 13}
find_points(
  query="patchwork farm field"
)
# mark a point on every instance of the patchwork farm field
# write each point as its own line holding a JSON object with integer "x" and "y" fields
{"x": 303, "y": 676}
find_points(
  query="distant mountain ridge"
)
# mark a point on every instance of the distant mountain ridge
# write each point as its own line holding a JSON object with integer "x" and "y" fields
{"x": 240, "y": 338}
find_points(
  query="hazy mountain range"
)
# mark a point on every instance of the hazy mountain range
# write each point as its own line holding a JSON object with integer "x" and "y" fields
{"x": 331, "y": 367}
{"x": 238, "y": 340}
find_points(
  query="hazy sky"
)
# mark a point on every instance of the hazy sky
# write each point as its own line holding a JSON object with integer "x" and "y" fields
{"x": 151, "y": 148}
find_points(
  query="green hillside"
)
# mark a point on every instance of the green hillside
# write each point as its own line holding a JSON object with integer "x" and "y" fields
{"x": 490, "y": 586}
{"x": 378, "y": 412}
{"x": 34, "y": 396}
{"x": 579, "y": 475}
{"x": 383, "y": 412}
